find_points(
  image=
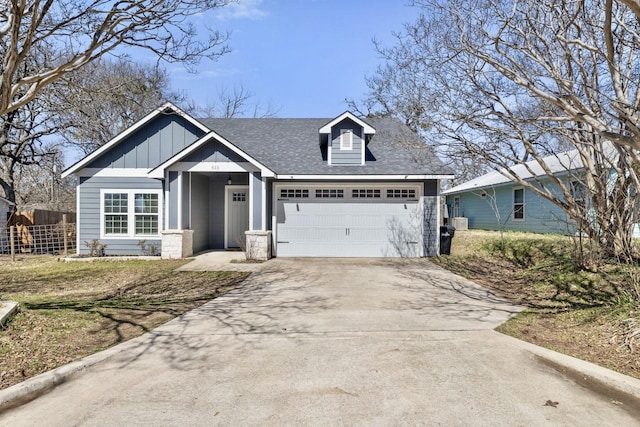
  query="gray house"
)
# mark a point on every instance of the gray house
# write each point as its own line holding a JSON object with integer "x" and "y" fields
{"x": 340, "y": 187}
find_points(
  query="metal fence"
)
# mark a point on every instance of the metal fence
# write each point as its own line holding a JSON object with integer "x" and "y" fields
{"x": 38, "y": 239}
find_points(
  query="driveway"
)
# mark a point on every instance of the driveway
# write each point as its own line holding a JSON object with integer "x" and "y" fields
{"x": 329, "y": 342}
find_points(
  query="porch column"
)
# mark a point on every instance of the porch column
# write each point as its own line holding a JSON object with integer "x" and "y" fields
{"x": 256, "y": 201}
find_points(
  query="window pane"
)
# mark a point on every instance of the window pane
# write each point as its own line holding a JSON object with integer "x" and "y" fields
{"x": 115, "y": 224}
{"x": 518, "y": 196}
{"x": 146, "y": 203}
{"x": 518, "y": 211}
{"x": 115, "y": 202}
{"x": 147, "y": 224}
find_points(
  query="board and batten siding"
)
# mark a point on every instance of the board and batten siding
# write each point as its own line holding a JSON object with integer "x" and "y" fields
{"x": 214, "y": 152}
{"x": 540, "y": 215}
{"x": 216, "y": 214}
{"x": 150, "y": 145}
{"x": 200, "y": 211}
{"x": 347, "y": 157}
{"x": 88, "y": 217}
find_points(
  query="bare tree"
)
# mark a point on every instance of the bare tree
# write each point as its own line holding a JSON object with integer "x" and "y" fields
{"x": 510, "y": 82}
{"x": 22, "y": 132}
{"x": 97, "y": 102}
{"x": 239, "y": 102}
{"x": 73, "y": 33}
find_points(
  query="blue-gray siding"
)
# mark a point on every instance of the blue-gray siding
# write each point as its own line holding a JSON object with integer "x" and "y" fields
{"x": 150, "y": 145}
{"x": 88, "y": 217}
{"x": 347, "y": 157}
{"x": 214, "y": 152}
{"x": 216, "y": 214}
{"x": 200, "y": 212}
{"x": 540, "y": 215}
{"x": 430, "y": 223}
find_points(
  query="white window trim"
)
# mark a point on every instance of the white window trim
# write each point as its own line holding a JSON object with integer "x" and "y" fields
{"x": 346, "y": 143}
{"x": 513, "y": 205}
{"x": 131, "y": 217}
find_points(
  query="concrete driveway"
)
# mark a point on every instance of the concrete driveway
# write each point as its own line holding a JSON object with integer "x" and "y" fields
{"x": 329, "y": 342}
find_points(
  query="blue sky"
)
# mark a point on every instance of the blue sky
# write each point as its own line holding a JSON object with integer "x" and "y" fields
{"x": 304, "y": 57}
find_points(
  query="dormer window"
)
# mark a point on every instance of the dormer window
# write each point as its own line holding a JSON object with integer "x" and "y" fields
{"x": 346, "y": 139}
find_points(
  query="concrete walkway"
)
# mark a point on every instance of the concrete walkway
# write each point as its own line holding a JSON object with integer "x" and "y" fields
{"x": 338, "y": 342}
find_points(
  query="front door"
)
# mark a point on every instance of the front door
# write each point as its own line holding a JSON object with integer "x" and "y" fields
{"x": 237, "y": 217}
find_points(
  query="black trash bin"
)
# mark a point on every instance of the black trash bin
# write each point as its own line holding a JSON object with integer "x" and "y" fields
{"x": 446, "y": 235}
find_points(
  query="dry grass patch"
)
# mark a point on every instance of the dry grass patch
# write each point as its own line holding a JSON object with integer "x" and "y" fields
{"x": 71, "y": 310}
{"x": 590, "y": 314}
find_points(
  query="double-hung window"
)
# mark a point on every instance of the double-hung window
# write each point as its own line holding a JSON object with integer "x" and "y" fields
{"x": 130, "y": 213}
{"x": 518, "y": 204}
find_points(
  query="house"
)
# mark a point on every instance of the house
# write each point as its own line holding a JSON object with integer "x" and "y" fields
{"x": 5, "y": 208}
{"x": 339, "y": 187}
{"x": 493, "y": 201}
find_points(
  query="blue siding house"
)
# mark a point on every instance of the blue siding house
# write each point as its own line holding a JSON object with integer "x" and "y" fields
{"x": 293, "y": 187}
{"x": 494, "y": 201}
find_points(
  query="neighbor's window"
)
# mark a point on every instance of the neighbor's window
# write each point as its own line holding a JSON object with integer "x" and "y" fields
{"x": 578, "y": 191}
{"x": 518, "y": 203}
{"x": 130, "y": 213}
{"x": 346, "y": 139}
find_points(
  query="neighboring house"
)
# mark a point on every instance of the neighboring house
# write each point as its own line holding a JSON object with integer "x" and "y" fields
{"x": 492, "y": 201}
{"x": 340, "y": 187}
{"x": 5, "y": 207}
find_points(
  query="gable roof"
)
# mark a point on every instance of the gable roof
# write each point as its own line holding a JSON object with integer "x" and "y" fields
{"x": 347, "y": 115}
{"x": 166, "y": 108}
{"x": 158, "y": 171}
{"x": 558, "y": 163}
{"x": 290, "y": 147}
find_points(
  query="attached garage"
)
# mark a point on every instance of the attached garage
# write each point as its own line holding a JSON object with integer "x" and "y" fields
{"x": 348, "y": 220}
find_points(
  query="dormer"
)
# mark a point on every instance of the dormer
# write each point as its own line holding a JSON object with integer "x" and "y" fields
{"x": 346, "y": 138}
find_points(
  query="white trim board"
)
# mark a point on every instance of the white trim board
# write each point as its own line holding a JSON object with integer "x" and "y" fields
{"x": 360, "y": 177}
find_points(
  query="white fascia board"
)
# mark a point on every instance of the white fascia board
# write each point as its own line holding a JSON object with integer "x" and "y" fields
{"x": 213, "y": 167}
{"x": 115, "y": 172}
{"x": 146, "y": 119}
{"x": 360, "y": 177}
{"x": 368, "y": 129}
{"x": 158, "y": 171}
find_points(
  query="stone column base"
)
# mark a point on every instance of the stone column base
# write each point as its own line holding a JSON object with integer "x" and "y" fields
{"x": 258, "y": 245}
{"x": 177, "y": 244}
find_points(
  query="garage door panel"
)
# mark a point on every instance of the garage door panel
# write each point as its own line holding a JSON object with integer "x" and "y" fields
{"x": 347, "y": 228}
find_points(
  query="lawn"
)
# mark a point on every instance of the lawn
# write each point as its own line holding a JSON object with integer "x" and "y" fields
{"x": 592, "y": 314}
{"x": 69, "y": 310}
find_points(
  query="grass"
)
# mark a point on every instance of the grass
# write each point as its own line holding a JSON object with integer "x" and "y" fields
{"x": 590, "y": 313}
{"x": 71, "y": 310}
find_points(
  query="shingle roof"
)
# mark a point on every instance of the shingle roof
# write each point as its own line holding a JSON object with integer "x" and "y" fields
{"x": 292, "y": 146}
{"x": 558, "y": 163}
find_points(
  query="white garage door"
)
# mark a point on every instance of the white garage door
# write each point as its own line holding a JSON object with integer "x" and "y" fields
{"x": 348, "y": 222}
